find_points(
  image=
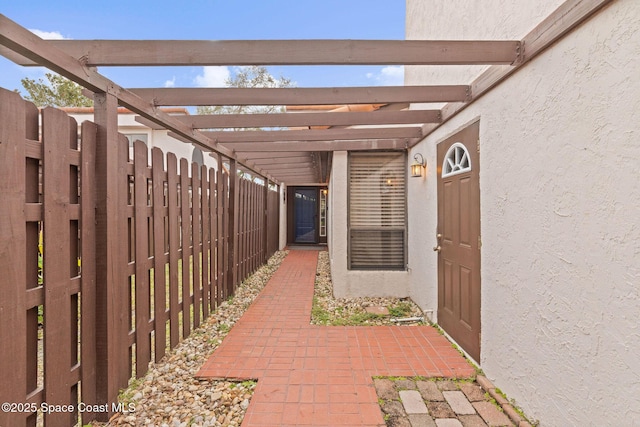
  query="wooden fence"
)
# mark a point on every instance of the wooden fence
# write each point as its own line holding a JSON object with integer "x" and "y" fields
{"x": 95, "y": 283}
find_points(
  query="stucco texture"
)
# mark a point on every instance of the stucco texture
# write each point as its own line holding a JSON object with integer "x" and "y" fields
{"x": 560, "y": 209}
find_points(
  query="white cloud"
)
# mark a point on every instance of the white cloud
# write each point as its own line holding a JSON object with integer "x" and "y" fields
{"x": 170, "y": 83}
{"x": 389, "y": 76}
{"x": 212, "y": 77}
{"x": 48, "y": 35}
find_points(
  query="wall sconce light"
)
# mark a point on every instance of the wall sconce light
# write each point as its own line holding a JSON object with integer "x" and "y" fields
{"x": 419, "y": 163}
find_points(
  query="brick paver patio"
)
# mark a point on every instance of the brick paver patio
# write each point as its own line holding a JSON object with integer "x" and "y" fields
{"x": 320, "y": 375}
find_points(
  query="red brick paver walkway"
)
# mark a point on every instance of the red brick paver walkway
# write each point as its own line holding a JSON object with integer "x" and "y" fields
{"x": 320, "y": 375}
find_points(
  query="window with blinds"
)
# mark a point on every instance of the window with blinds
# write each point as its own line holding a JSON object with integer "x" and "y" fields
{"x": 377, "y": 211}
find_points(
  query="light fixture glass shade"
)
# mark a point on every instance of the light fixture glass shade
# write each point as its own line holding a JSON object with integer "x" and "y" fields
{"x": 416, "y": 169}
{"x": 418, "y": 165}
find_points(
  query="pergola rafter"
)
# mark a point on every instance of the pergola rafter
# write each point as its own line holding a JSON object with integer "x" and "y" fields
{"x": 229, "y": 137}
{"x": 287, "y": 166}
{"x": 302, "y": 96}
{"x": 268, "y": 158}
{"x": 287, "y": 52}
{"x": 321, "y": 145}
{"x": 376, "y": 117}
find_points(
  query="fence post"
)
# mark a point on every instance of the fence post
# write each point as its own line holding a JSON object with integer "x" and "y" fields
{"x": 111, "y": 351}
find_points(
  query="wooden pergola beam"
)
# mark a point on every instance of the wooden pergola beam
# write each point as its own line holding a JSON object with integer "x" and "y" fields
{"x": 303, "y": 119}
{"x": 290, "y": 166}
{"x": 276, "y": 162}
{"x": 287, "y": 52}
{"x": 297, "y": 173}
{"x": 258, "y": 156}
{"x": 308, "y": 146}
{"x": 233, "y": 137}
{"x": 294, "y": 179}
{"x": 301, "y": 180}
{"x": 302, "y": 96}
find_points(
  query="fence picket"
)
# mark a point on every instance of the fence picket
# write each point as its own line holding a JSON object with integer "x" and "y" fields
{"x": 213, "y": 236}
{"x": 142, "y": 294}
{"x": 206, "y": 241}
{"x": 88, "y": 268}
{"x": 185, "y": 207}
{"x": 221, "y": 225}
{"x": 242, "y": 228}
{"x": 195, "y": 243}
{"x": 35, "y": 292}
{"x": 227, "y": 258}
{"x": 13, "y": 348}
{"x": 57, "y": 297}
{"x": 159, "y": 255}
{"x": 174, "y": 248}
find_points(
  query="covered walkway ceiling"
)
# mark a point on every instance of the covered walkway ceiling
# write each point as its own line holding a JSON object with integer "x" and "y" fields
{"x": 297, "y": 152}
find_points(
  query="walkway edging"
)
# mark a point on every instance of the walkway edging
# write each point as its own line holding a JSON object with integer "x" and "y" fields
{"x": 506, "y": 406}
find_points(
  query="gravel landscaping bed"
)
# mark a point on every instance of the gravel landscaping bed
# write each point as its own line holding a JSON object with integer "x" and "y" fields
{"x": 328, "y": 310}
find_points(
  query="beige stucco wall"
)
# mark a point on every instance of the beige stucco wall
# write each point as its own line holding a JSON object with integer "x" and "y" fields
{"x": 353, "y": 283}
{"x": 560, "y": 215}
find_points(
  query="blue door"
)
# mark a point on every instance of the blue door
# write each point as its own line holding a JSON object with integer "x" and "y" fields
{"x": 305, "y": 215}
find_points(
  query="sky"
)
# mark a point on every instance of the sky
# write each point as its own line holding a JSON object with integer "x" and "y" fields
{"x": 213, "y": 20}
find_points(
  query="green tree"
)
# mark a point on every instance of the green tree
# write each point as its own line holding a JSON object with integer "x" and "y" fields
{"x": 253, "y": 76}
{"x": 57, "y": 91}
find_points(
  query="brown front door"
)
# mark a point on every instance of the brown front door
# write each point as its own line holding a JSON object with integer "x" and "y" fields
{"x": 459, "y": 239}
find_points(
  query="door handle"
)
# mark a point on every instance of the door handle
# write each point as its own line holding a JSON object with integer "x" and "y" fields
{"x": 438, "y": 248}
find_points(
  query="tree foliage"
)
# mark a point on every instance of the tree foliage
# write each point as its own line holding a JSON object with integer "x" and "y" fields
{"x": 57, "y": 91}
{"x": 250, "y": 77}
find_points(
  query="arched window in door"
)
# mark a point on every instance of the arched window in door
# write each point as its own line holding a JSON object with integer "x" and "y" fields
{"x": 457, "y": 160}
